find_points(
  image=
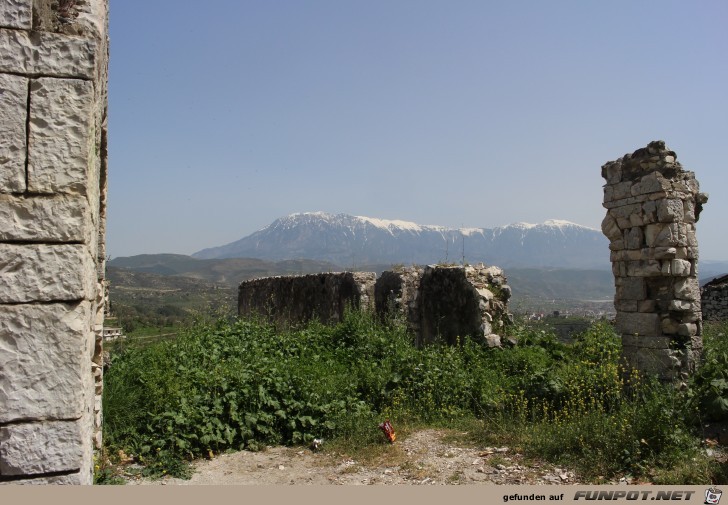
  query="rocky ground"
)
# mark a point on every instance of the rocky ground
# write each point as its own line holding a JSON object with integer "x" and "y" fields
{"x": 428, "y": 457}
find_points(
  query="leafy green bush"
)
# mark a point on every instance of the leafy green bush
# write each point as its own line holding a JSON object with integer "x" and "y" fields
{"x": 225, "y": 385}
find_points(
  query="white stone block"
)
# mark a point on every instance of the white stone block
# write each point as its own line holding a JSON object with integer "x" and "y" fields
{"x": 44, "y": 350}
{"x": 46, "y": 53}
{"x": 42, "y": 447}
{"x": 61, "y": 140}
{"x": 13, "y": 111}
{"x": 46, "y": 273}
{"x": 57, "y": 218}
{"x": 16, "y": 14}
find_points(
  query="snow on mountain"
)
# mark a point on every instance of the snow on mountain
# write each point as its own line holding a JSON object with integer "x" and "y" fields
{"x": 352, "y": 241}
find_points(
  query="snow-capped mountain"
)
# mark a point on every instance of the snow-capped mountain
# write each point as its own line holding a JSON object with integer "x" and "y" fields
{"x": 352, "y": 241}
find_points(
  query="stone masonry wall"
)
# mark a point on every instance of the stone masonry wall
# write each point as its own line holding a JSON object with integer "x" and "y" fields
{"x": 53, "y": 78}
{"x": 652, "y": 207}
{"x": 447, "y": 302}
{"x": 290, "y": 300}
{"x": 714, "y": 299}
{"x": 435, "y": 302}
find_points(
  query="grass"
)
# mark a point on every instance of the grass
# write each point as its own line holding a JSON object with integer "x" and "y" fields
{"x": 230, "y": 385}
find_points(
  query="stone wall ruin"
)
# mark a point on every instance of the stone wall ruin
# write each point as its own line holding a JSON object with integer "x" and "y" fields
{"x": 652, "y": 207}
{"x": 714, "y": 299}
{"x": 290, "y": 300}
{"x": 53, "y": 105}
{"x": 437, "y": 303}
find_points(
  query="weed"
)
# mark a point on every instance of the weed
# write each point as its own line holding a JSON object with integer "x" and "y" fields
{"x": 236, "y": 384}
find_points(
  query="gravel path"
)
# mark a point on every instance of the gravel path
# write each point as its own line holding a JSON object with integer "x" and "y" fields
{"x": 423, "y": 458}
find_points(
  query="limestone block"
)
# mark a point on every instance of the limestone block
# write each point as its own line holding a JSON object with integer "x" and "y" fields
{"x": 43, "y": 272}
{"x": 46, "y": 53}
{"x": 610, "y": 228}
{"x": 58, "y": 218}
{"x": 486, "y": 294}
{"x": 634, "y": 238}
{"x": 662, "y": 253}
{"x": 631, "y": 288}
{"x": 649, "y": 212}
{"x": 646, "y": 342}
{"x": 61, "y": 139}
{"x": 493, "y": 340}
{"x": 651, "y": 183}
{"x": 688, "y": 211}
{"x": 612, "y": 172}
{"x": 680, "y": 268}
{"x": 631, "y": 323}
{"x": 16, "y": 14}
{"x": 662, "y": 362}
{"x": 42, "y": 447}
{"x": 616, "y": 245}
{"x": 626, "y": 305}
{"x": 687, "y": 329}
{"x": 669, "y": 326}
{"x": 13, "y": 111}
{"x": 43, "y": 352}
{"x": 622, "y": 214}
{"x": 670, "y": 210}
{"x": 651, "y": 233}
{"x": 687, "y": 289}
{"x": 646, "y": 306}
{"x": 622, "y": 190}
{"x": 644, "y": 268}
{"x": 636, "y": 219}
{"x": 670, "y": 235}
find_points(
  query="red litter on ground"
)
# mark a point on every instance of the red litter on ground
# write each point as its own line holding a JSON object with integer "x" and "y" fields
{"x": 386, "y": 427}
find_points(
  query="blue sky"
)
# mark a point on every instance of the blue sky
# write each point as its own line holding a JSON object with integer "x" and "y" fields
{"x": 227, "y": 114}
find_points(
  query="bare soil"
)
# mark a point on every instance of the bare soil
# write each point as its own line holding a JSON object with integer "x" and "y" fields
{"x": 427, "y": 457}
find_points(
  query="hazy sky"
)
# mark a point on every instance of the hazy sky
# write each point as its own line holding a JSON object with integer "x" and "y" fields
{"x": 225, "y": 115}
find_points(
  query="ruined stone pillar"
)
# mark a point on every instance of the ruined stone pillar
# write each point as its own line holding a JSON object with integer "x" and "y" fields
{"x": 652, "y": 207}
{"x": 53, "y": 102}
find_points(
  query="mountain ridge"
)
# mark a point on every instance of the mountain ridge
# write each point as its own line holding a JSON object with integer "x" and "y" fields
{"x": 355, "y": 240}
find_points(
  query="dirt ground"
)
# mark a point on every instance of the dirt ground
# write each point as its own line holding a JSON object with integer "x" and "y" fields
{"x": 427, "y": 457}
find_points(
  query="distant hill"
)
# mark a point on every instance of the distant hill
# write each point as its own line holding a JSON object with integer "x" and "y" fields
{"x": 231, "y": 271}
{"x": 356, "y": 240}
{"x": 169, "y": 272}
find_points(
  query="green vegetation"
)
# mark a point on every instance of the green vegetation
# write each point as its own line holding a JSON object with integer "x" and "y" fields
{"x": 230, "y": 384}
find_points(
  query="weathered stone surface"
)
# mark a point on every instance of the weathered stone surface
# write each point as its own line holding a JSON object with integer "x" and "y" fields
{"x": 58, "y": 218}
{"x": 631, "y": 323}
{"x": 610, "y": 228}
{"x": 37, "y": 448}
{"x": 44, "y": 53}
{"x": 660, "y": 342}
{"x": 631, "y": 288}
{"x": 714, "y": 297}
{"x": 13, "y": 111}
{"x": 44, "y": 350}
{"x": 670, "y": 210}
{"x": 61, "y": 135}
{"x": 297, "y": 299}
{"x": 664, "y": 363}
{"x": 42, "y": 272}
{"x": 654, "y": 259}
{"x": 681, "y": 268}
{"x": 16, "y": 14}
{"x": 634, "y": 238}
{"x": 687, "y": 289}
{"x": 644, "y": 268}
